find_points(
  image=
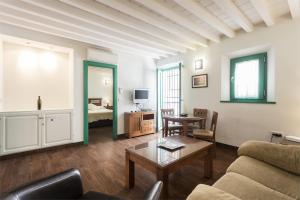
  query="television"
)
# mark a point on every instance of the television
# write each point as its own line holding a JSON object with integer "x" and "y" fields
{"x": 140, "y": 95}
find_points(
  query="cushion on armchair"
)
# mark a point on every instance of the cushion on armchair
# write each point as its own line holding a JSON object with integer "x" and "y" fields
{"x": 286, "y": 157}
{"x": 204, "y": 192}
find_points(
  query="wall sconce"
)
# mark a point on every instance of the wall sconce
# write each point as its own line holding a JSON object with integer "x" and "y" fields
{"x": 106, "y": 81}
{"x": 198, "y": 64}
{"x": 28, "y": 61}
{"x": 48, "y": 61}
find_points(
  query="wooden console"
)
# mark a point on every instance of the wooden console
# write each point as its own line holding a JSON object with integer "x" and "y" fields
{"x": 139, "y": 123}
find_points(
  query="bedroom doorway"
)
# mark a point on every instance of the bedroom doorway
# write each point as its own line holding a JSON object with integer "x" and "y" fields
{"x": 100, "y": 100}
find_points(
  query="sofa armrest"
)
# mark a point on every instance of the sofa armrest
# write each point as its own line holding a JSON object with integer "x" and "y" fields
{"x": 286, "y": 157}
{"x": 65, "y": 185}
{"x": 206, "y": 192}
{"x": 154, "y": 192}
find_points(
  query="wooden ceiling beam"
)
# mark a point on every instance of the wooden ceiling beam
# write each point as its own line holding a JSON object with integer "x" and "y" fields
{"x": 129, "y": 21}
{"x": 167, "y": 12}
{"x": 16, "y": 14}
{"x": 61, "y": 12}
{"x": 263, "y": 10}
{"x": 294, "y": 6}
{"x": 235, "y": 14}
{"x": 201, "y": 12}
{"x": 140, "y": 13}
{"x": 34, "y": 27}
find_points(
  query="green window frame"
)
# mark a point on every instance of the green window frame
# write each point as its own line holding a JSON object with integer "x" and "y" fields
{"x": 262, "y": 84}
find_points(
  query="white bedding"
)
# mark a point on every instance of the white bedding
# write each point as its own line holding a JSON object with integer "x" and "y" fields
{"x": 97, "y": 113}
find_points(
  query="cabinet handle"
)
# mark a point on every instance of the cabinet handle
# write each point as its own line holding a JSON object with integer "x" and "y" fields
{"x": 51, "y": 120}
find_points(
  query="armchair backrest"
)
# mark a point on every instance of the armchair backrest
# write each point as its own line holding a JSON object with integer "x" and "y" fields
{"x": 65, "y": 185}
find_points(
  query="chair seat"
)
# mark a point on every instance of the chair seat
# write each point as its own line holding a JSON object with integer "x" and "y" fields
{"x": 202, "y": 132}
{"x": 174, "y": 126}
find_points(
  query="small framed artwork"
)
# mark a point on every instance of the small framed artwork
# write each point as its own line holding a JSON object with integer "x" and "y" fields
{"x": 198, "y": 64}
{"x": 200, "y": 81}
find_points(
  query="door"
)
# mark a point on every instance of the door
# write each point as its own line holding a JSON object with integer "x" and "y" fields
{"x": 57, "y": 129}
{"x": 135, "y": 124}
{"x": 21, "y": 132}
{"x": 169, "y": 90}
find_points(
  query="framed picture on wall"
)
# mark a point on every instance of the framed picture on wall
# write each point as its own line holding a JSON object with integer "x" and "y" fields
{"x": 200, "y": 81}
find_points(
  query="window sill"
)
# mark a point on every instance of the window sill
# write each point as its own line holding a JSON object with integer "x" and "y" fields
{"x": 251, "y": 102}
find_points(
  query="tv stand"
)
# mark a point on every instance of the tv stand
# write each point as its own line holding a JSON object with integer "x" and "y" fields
{"x": 139, "y": 123}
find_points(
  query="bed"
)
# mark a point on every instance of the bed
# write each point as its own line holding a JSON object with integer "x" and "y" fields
{"x": 98, "y": 115}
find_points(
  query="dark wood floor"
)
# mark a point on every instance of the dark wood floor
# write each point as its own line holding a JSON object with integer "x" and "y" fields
{"x": 102, "y": 163}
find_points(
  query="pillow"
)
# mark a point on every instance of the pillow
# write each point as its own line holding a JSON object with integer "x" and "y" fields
{"x": 92, "y": 106}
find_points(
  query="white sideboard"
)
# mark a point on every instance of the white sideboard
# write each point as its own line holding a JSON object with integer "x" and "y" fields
{"x": 29, "y": 130}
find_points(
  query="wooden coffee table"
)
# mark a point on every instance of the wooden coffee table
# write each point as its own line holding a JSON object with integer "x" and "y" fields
{"x": 163, "y": 162}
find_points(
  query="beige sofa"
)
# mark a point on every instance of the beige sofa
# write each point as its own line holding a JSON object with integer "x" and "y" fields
{"x": 263, "y": 171}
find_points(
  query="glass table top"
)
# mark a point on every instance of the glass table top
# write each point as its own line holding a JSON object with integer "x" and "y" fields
{"x": 163, "y": 157}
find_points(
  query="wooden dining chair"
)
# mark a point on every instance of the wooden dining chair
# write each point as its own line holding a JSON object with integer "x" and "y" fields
{"x": 208, "y": 134}
{"x": 199, "y": 112}
{"x": 172, "y": 127}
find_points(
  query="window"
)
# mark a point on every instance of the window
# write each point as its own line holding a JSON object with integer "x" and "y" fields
{"x": 248, "y": 81}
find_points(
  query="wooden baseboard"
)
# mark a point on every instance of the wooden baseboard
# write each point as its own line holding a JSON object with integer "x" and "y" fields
{"x": 227, "y": 146}
{"x": 4, "y": 157}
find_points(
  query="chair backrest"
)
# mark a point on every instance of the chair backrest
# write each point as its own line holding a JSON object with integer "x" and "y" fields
{"x": 199, "y": 112}
{"x": 213, "y": 125}
{"x": 165, "y": 112}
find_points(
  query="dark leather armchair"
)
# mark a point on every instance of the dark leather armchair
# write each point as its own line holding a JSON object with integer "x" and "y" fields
{"x": 67, "y": 185}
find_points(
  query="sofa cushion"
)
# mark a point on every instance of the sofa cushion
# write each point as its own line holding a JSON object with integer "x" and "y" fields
{"x": 267, "y": 175}
{"x": 204, "y": 192}
{"x": 286, "y": 157}
{"x": 247, "y": 189}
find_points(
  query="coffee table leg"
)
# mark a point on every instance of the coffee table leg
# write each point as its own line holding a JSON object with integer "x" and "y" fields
{"x": 208, "y": 164}
{"x": 162, "y": 175}
{"x": 129, "y": 165}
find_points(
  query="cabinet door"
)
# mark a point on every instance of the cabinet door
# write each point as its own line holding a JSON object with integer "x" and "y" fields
{"x": 135, "y": 124}
{"x": 21, "y": 132}
{"x": 57, "y": 129}
{"x": 147, "y": 126}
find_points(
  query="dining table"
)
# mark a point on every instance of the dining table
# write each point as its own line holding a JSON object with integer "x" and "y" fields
{"x": 183, "y": 120}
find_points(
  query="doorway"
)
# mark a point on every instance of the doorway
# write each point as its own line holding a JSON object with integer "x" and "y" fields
{"x": 94, "y": 104}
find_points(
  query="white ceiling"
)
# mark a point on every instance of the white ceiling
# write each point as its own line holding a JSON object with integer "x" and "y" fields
{"x": 154, "y": 28}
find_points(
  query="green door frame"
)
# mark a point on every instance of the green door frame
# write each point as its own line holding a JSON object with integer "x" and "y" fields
{"x": 86, "y": 65}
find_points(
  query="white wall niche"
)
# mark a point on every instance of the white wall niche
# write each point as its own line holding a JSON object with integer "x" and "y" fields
{"x": 30, "y": 69}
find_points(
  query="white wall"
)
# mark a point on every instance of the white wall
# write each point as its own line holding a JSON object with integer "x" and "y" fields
{"x": 30, "y": 72}
{"x": 96, "y": 84}
{"x": 131, "y": 74}
{"x": 1, "y": 75}
{"x": 240, "y": 122}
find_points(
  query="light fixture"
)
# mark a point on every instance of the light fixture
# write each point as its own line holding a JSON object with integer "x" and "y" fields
{"x": 198, "y": 64}
{"x": 48, "y": 61}
{"x": 27, "y": 61}
{"x": 106, "y": 81}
